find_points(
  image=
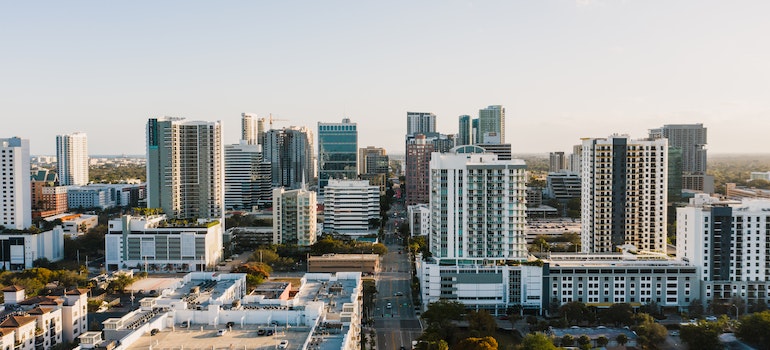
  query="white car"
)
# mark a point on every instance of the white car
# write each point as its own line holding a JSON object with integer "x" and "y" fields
{"x": 389, "y": 306}
{"x": 284, "y": 344}
{"x": 221, "y": 332}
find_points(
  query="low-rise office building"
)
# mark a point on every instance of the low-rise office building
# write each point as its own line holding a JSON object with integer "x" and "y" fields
{"x": 18, "y": 251}
{"x": 155, "y": 244}
{"x": 364, "y": 263}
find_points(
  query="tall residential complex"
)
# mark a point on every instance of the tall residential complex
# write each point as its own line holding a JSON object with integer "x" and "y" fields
{"x": 477, "y": 205}
{"x": 420, "y": 123}
{"x": 692, "y": 140}
{"x": 350, "y": 206}
{"x": 465, "y": 133}
{"x": 247, "y": 177}
{"x": 624, "y": 191}
{"x": 728, "y": 241}
{"x": 418, "y": 153}
{"x": 337, "y": 151}
{"x": 575, "y": 159}
{"x": 185, "y": 168}
{"x": 294, "y": 216}
{"x": 16, "y": 207}
{"x": 556, "y": 162}
{"x": 290, "y": 154}
{"x": 491, "y": 120}
{"x": 373, "y": 160}
{"x": 72, "y": 159}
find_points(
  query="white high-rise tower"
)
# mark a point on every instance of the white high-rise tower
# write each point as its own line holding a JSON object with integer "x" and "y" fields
{"x": 624, "y": 189}
{"x": 477, "y": 206}
{"x": 72, "y": 159}
{"x": 16, "y": 207}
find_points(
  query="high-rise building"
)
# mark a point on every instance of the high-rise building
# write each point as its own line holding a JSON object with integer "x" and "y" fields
{"x": 624, "y": 190}
{"x": 350, "y": 206}
{"x": 491, "y": 120}
{"x": 727, "y": 241}
{"x": 16, "y": 208}
{"x": 373, "y": 160}
{"x": 574, "y": 161}
{"x": 337, "y": 151}
{"x": 418, "y": 153}
{"x": 502, "y": 150}
{"x": 475, "y": 131}
{"x": 249, "y": 128}
{"x": 465, "y": 133}
{"x": 290, "y": 154}
{"x": 557, "y": 162}
{"x": 420, "y": 123}
{"x": 247, "y": 177}
{"x": 294, "y": 216}
{"x": 72, "y": 159}
{"x": 185, "y": 168}
{"x": 692, "y": 140}
{"x": 477, "y": 205}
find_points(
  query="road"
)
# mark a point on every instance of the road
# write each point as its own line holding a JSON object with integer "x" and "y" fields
{"x": 396, "y": 326}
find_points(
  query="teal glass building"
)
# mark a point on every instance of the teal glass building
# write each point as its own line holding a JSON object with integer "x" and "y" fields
{"x": 337, "y": 152}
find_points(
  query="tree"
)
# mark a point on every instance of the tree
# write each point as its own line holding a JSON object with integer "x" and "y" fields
{"x": 440, "y": 344}
{"x": 439, "y": 317}
{"x": 703, "y": 335}
{"x": 540, "y": 244}
{"x": 584, "y": 341}
{"x": 619, "y": 314}
{"x": 537, "y": 341}
{"x": 485, "y": 343}
{"x": 567, "y": 340}
{"x": 695, "y": 310}
{"x": 622, "y": 339}
{"x": 482, "y": 322}
{"x": 650, "y": 335}
{"x": 574, "y": 311}
{"x": 753, "y": 329}
{"x": 602, "y": 341}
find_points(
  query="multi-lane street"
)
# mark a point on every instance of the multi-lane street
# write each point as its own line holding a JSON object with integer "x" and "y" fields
{"x": 395, "y": 320}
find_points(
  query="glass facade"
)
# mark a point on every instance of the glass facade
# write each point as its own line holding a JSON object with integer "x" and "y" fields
{"x": 337, "y": 152}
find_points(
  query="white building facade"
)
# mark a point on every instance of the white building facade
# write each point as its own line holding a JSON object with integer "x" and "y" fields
{"x": 624, "y": 192}
{"x": 72, "y": 159}
{"x": 155, "y": 244}
{"x": 419, "y": 219}
{"x": 477, "y": 206}
{"x": 728, "y": 241}
{"x": 349, "y": 206}
{"x": 16, "y": 205}
{"x": 294, "y": 217}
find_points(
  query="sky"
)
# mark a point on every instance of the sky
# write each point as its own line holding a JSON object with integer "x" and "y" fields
{"x": 562, "y": 69}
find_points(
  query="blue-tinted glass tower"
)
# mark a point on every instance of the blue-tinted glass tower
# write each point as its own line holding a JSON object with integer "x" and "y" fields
{"x": 337, "y": 152}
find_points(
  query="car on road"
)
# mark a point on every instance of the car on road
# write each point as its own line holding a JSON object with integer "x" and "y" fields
{"x": 261, "y": 332}
{"x": 184, "y": 324}
{"x": 398, "y": 294}
{"x": 154, "y": 331}
{"x": 230, "y": 324}
{"x": 283, "y": 344}
{"x": 389, "y": 306}
{"x": 221, "y": 332}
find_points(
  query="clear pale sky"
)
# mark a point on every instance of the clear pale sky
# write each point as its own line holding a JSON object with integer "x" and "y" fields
{"x": 562, "y": 69}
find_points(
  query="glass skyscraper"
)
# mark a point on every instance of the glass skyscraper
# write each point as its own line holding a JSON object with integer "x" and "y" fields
{"x": 337, "y": 152}
{"x": 464, "y": 135}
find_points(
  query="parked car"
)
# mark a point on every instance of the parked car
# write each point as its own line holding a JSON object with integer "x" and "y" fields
{"x": 221, "y": 332}
{"x": 389, "y": 306}
{"x": 269, "y": 332}
{"x": 154, "y": 331}
{"x": 184, "y": 324}
{"x": 230, "y": 324}
{"x": 284, "y": 344}
{"x": 261, "y": 332}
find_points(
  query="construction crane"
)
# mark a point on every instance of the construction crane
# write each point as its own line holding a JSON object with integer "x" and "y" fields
{"x": 271, "y": 119}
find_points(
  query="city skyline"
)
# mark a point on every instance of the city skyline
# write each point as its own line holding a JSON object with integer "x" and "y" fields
{"x": 556, "y": 66}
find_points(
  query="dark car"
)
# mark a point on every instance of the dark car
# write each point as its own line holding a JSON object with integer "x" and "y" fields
{"x": 230, "y": 324}
{"x": 269, "y": 332}
{"x": 154, "y": 331}
{"x": 261, "y": 332}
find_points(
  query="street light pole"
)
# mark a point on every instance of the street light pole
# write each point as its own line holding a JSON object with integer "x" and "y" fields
{"x": 736, "y": 311}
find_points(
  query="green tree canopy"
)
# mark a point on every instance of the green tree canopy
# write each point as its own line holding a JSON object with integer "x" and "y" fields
{"x": 650, "y": 335}
{"x": 574, "y": 311}
{"x": 485, "y": 343}
{"x": 537, "y": 341}
{"x": 755, "y": 329}
{"x": 482, "y": 322}
{"x": 703, "y": 336}
{"x": 619, "y": 314}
